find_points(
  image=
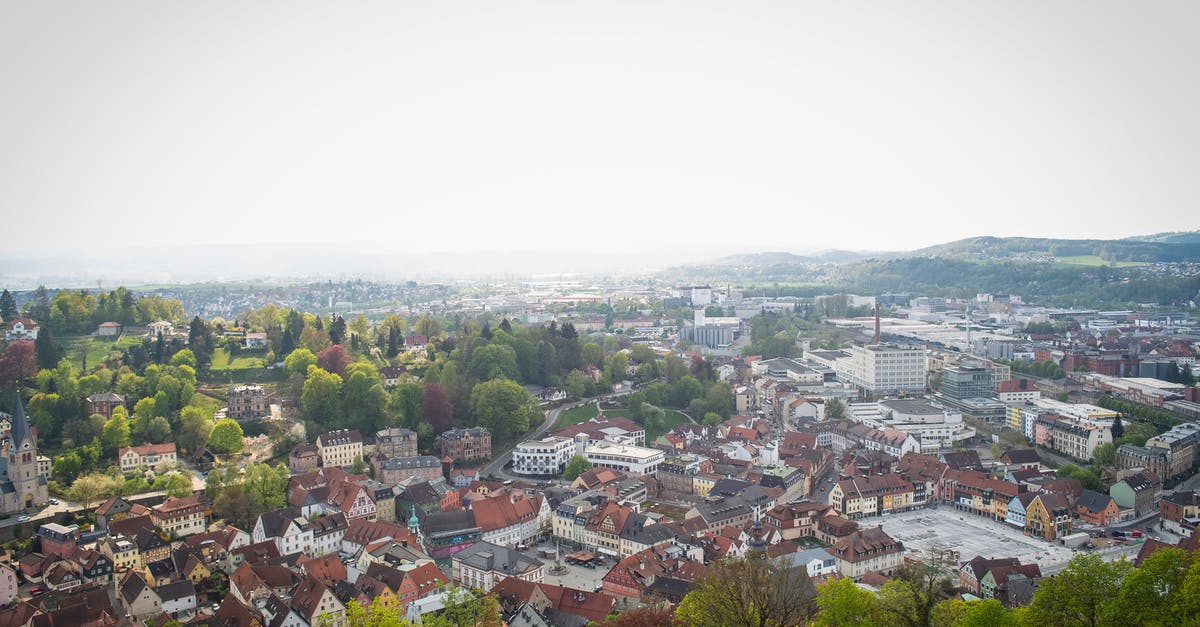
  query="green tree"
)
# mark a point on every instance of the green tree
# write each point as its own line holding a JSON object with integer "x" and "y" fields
{"x": 1152, "y": 594}
{"x": 504, "y": 407}
{"x": 577, "y": 465}
{"x": 157, "y": 431}
{"x": 1079, "y": 595}
{"x": 366, "y": 401}
{"x": 844, "y": 604}
{"x": 576, "y": 385}
{"x": 175, "y": 484}
{"x": 298, "y": 361}
{"x": 226, "y": 437}
{"x": 116, "y": 431}
{"x": 834, "y": 409}
{"x": 713, "y": 418}
{"x": 320, "y": 399}
{"x": 184, "y": 357}
{"x": 358, "y": 467}
{"x": 494, "y": 360}
{"x": 195, "y": 425}
{"x": 92, "y": 488}
{"x": 200, "y": 340}
{"x": 749, "y": 592}
{"x": 8, "y": 306}
{"x": 909, "y": 598}
{"x": 1104, "y": 455}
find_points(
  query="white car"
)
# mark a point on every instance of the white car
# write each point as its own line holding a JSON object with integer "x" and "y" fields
{"x": 54, "y": 501}
{"x": 23, "y": 518}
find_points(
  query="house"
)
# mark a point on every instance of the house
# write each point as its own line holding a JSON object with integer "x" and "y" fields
{"x": 103, "y": 403}
{"x": 1021, "y": 458}
{"x": 1138, "y": 492}
{"x": 8, "y": 585}
{"x": 92, "y": 566}
{"x": 122, "y": 552}
{"x": 246, "y": 402}
{"x": 1002, "y": 579}
{"x": 396, "y": 442}
{"x": 817, "y": 562}
{"x": 483, "y": 565}
{"x": 645, "y": 573}
{"x": 317, "y": 604}
{"x": 60, "y": 540}
{"x": 154, "y": 456}
{"x": 20, "y": 329}
{"x": 397, "y": 469}
{"x": 1048, "y": 516}
{"x": 181, "y": 517}
{"x": 391, "y": 375}
{"x": 178, "y": 597}
{"x": 255, "y": 341}
{"x": 1179, "y": 512}
{"x": 303, "y": 458}
{"x": 1098, "y": 509}
{"x": 973, "y": 570}
{"x": 136, "y": 597}
{"x": 287, "y": 528}
{"x": 109, "y": 329}
{"x": 466, "y": 444}
{"x": 563, "y": 604}
{"x": 867, "y": 550}
{"x": 858, "y": 497}
{"x": 340, "y": 448}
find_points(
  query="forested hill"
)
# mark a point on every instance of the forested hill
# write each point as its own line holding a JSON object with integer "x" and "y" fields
{"x": 1167, "y": 247}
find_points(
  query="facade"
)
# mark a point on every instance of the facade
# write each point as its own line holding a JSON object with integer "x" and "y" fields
{"x": 1097, "y": 509}
{"x": 103, "y": 403}
{"x": 1137, "y": 492}
{"x": 547, "y": 456}
{"x": 22, "y": 485}
{"x": 484, "y": 565}
{"x": 1048, "y": 516}
{"x": 20, "y": 329}
{"x": 397, "y": 469}
{"x": 181, "y": 517}
{"x": 867, "y": 550}
{"x": 396, "y": 442}
{"x": 1179, "y": 512}
{"x": 883, "y": 368}
{"x": 247, "y": 402}
{"x": 340, "y": 448}
{"x": 303, "y": 458}
{"x": 153, "y": 456}
{"x": 466, "y": 444}
{"x": 1071, "y": 437}
{"x": 859, "y": 497}
{"x": 635, "y": 460}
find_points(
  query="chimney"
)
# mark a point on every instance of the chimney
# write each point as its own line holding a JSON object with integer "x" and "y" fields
{"x": 876, "y": 322}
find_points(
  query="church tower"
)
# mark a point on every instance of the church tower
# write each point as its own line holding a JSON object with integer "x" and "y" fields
{"x": 21, "y": 473}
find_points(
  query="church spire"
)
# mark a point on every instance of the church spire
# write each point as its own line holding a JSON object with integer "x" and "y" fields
{"x": 20, "y": 426}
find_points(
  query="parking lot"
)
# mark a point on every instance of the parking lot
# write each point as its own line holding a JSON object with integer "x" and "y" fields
{"x": 971, "y": 535}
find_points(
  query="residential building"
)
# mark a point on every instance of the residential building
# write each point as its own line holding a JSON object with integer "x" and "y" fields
{"x": 817, "y": 562}
{"x": 1179, "y": 512}
{"x": 156, "y": 457}
{"x": 8, "y": 585}
{"x": 137, "y": 597}
{"x": 547, "y": 456}
{"x": 1070, "y": 436}
{"x": 181, "y": 516}
{"x": 867, "y": 550}
{"x": 398, "y": 469}
{"x": 340, "y": 448}
{"x": 396, "y": 442}
{"x": 103, "y": 403}
{"x": 1098, "y": 509}
{"x": 1048, "y": 516}
{"x": 974, "y": 569}
{"x": 636, "y": 460}
{"x": 1137, "y": 492}
{"x": 466, "y": 444}
{"x": 483, "y": 565}
{"x": 858, "y": 497}
{"x": 20, "y": 329}
{"x": 247, "y": 402}
{"x": 177, "y": 598}
{"x": 303, "y": 458}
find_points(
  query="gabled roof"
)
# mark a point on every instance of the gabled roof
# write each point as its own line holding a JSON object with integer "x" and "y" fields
{"x": 306, "y": 598}
{"x": 1094, "y": 501}
{"x": 978, "y": 566}
{"x": 1022, "y": 456}
{"x": 328, "y": 569}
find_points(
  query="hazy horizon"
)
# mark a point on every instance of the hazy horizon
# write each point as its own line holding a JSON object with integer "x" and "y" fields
{"x": 648, "y": 130}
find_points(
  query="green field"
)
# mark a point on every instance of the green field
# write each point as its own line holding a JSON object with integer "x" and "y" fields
{"x": 244, "y": 360}
{"x": 96, "y": 348}
{"x": 1092, "y": 260}
{"x": 576, "y": 415}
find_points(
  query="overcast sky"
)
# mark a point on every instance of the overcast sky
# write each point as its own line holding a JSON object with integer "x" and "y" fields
{"x": 562, "y": 125}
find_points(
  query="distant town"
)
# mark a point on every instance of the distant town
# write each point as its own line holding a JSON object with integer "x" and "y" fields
{"x": 566, "y": 452}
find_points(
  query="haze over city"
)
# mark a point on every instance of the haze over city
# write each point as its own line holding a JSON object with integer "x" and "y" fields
{"x": 676, "y": 130}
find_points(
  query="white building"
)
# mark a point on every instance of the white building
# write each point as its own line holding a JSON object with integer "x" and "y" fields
{"x": 932, "y": 426}
{"x": 483, "y": 565}
{"x": 287, "y": 528}
{"x": 547, "y": 456}
{"x": 883, "y": 368}
{"x": 340, "y": 448}
{"x": 635, "y": 460}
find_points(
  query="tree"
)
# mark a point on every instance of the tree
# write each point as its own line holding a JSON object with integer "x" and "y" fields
{"x": 18, "y": 362}
{"x": 576, "y": 384}
{"x": 436, "y": 409}
{"x": 200, "y": 340}
{"x": 48, "y": 353}
{"x": 298, "y": 361}
{"x": 226, "y": 437}
{"x": 176, "y": 484}
{"x": 1118, "y": 429}
{"x": 844, "y": 604}
{"x": 195, "y": 425}
{"x": 465, "y": 607}
{"x": 1104, "y": 455}
{"x": 334, "y": 359}
{"x": 504, "y": 407}
{"x": 917, "y": 588}
{"x": 1152, "y": 594}
{"x": 157, "y": 430}
{"x": 834, "y": 409}
{"x": 8, "y": 306}
{"x": 712, "y": 418}
{"x": 1079, "y": 594}
{"x": 365, "y": 401}
{"x": 320, "y": 398}
{"x": 750, "y": 592}
{"x": 494, "y": 360}
{"x": 577, "y": 465}
{"x": 92, "y": 488}
{"x": 337, "y": 330}
{"x": 184, "y": 357}
{"x": 116, "y": 431}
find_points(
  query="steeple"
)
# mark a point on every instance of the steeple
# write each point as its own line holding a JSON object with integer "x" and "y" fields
{"x": 20, "y": 427}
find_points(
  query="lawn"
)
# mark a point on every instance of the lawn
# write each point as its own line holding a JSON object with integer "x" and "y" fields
{"x": 96, "y": 348}
{"x": 1092, "y": 260}
{"x": 576, "y": 415}
{"x": 243, "y": 361}
{"x": 673, "y": 418}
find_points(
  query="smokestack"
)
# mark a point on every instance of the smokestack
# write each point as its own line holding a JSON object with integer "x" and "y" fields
{"x": 876, "y": 321}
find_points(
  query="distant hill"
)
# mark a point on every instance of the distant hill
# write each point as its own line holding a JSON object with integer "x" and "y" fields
{"x": 1168, "y": 247}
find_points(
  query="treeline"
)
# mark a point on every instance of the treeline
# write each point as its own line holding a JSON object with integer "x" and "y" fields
{"x": 1161, "y": 420}
{"x": 81, "y": 311}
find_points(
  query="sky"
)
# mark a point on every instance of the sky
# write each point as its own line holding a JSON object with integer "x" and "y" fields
{"x": 675, "y": 127}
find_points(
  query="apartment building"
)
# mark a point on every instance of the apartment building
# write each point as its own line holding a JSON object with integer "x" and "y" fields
{"x": 340, "y": 448}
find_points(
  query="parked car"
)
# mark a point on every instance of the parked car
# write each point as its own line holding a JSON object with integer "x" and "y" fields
{"x": 23, "y": 518}
{"x": 54, "y": 501}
